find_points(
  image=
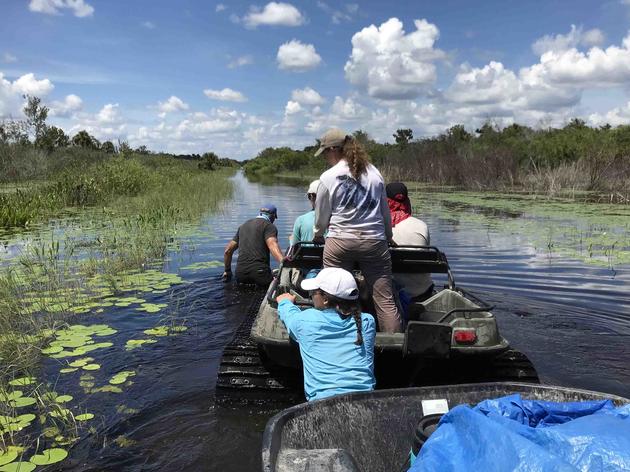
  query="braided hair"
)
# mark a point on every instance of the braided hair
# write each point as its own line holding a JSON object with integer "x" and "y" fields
{"x": 355, "y": 155}
{"x": 347, "y": 308}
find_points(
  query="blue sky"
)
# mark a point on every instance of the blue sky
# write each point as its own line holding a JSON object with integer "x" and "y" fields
{"x": 235, "y": 77}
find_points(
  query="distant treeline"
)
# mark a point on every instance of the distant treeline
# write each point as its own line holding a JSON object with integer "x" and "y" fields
{"x": 575, "y": 157}
{"x": 32, "y": 149}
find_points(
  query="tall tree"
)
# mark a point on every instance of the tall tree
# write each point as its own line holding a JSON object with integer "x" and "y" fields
{"x": 403, "y": 136}
{"x": 83, "y": 139}
{"x": 36, "y": 115}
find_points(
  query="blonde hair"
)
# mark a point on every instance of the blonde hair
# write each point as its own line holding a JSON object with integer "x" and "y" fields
{"x": 356, "y": 157}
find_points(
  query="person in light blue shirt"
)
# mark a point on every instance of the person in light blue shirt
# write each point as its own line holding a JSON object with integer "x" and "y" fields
{"x": 304, "y": 224}
{"x": 336, "y": 339}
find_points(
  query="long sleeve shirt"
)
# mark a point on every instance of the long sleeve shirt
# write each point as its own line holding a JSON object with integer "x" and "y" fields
{"x": 352, "y": 209}
{"x": 333, "y": 363}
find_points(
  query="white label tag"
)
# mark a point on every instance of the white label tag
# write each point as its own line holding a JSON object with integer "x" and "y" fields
{"x": 432, "y": 407}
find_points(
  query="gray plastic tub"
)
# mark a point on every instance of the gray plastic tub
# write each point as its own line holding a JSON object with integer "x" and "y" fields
{"x": 373, "y": 431}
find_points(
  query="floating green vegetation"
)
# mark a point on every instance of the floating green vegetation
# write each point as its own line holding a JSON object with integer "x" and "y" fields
{"x": 10, "y": 454}
{"x": 203, "y": 265}
{"x": 121, "y": 377}
{"x": 165, "y": 330}
{"x": 152, "y": 307}
{"x": 49, "y": 456}
{"x": 18, "y": 467}
{"x": 136, "y": 343}
{"x": 595, "y": 233}
{"x": 84, "y": 417}
{"x": 15, "y": 423}
{"x": 77, "y": 340}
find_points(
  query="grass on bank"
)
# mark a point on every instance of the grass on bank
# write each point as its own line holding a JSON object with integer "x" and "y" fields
{"x": 130, "y": 212}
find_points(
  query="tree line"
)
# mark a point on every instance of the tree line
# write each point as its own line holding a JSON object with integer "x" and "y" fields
{"x": 574, "y": 157}
{"x": 28, "y": 145}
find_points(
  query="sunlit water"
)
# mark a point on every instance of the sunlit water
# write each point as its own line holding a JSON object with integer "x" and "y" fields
{"x": 571, "y": 319}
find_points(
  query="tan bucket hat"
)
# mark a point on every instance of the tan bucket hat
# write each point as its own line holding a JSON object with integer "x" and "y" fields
{"x": 332, "y": 138}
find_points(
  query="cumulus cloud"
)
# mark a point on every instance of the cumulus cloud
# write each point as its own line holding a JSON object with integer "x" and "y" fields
{"x": 220, "y": 7}
{"x": 109, "y": 114}
{"x": 274, "y": 13}
{"x": 241, "y": 61}
{"x": 171, "y": 105}
{"x": 53, "y": 7}
{"x": 389, "y": 64}
{"x": 615, "y": 117}
{"x": 225, "y": 95}
{"x": 297, "y": 56}
{"x": 596, "y": 68}
{"x": 29, "y": 85}
{"x": 66, "y": 108}
{"x": 148, "y": 25}
{"x": 561, "y": 42}
{"x": 307, "y": 96}
{"x": 8, "y": 58}
{"x": 292, "y": 108}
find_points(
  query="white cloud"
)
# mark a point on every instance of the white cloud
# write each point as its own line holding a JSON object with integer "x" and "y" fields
{"x": 307, "y": 96}
{"x": 148, "y": 25}
{"x": 173, "y": 104}
{"x": 297, "y": 56}
{"x": 562, "y": 42}
{"x": 8, "y": 58}
{"x": 292, "y": 108}
{"x": 274, "y": 13}
{"x": 66, "y": 108}
{"x": 337, "y": 16}
{"x": 615, "y": 117}
{"x": 389, "y": 64}
{"x": 225, "y": 95}
{"x": 52, "y": 7}
{"x": 220, "y": 7}
{"x": 241, "y": 61}
{"x": 29, "y": 85}
{"x": 109, "y": 114}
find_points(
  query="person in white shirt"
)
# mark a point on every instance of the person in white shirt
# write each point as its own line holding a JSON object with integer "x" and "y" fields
{"x": 408, "y": 231}
{"x": 351, "y": 204}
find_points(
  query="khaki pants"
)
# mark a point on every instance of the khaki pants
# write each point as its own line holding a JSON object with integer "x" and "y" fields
{"x": 372, "y": 256}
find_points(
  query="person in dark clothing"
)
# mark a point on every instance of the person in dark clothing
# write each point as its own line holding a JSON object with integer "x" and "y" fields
{"x": 255, "y": 240}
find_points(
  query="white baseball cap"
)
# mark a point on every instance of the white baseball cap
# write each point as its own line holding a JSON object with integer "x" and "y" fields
{"x": 312, "y": 188}
{"x": 335, "y": 281}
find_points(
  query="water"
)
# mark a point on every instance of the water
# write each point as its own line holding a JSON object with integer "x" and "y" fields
{"x": 571, "y": 319}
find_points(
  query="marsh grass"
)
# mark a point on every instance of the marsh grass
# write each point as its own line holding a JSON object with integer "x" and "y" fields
{"x": 144, "y": 203}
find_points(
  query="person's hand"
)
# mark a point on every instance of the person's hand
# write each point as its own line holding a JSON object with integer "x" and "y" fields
{"x": 318, "y": 240}
{"x": 285, "y": 296}
{"x": 227, "y": 276}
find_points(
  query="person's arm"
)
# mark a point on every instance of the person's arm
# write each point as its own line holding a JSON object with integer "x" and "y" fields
{"x": 227, "y": 259}
{"x": 295, "y": 237}
{"x": 274, "y": 248}
{"x": 323, "y": 212}
{"x": 387, "y": 219}
{"x": 287, "y": 312}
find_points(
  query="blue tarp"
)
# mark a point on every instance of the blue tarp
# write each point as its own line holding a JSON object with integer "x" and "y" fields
{"x": 512, "y": 434}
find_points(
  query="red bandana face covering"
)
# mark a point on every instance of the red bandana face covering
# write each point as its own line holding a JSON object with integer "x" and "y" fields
{"x": 400, "y": 208}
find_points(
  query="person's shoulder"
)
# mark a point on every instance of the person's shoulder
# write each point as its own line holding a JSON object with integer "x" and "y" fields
{"x": 371, "y": 168}
{"x": 367, "y": 319}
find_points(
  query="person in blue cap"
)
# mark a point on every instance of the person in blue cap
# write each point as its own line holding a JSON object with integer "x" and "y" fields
{"x": 255, "y": 240}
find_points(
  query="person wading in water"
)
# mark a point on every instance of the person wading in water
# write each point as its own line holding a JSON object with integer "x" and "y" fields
{"x": 255, "y": 240}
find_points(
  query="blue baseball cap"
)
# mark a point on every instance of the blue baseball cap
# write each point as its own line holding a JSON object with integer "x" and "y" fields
{"x": 269, "y": 208}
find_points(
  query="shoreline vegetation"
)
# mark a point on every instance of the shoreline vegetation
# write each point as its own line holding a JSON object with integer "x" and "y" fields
{"x": 100, "y": 219}
{"x": 566, "y": 161}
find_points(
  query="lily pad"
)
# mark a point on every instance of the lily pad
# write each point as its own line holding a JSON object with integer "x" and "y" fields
{"x": 68, "y": 370}
{"x": 18, "y": 467}
{"x": 52, "y": 349}
{"x": 91, "y": 367}
{"x": 9, "y": 455}
{"x": 81, "y": 362}
{"x": 134, "y": 343}
{"x": 49, "y": 456}
{"x": 84, "y": 417}
{"x": 64, "y": 399}
{"x": 22, "y": 381}
{"x": 121, "y": 377}
{"x": 22, "y": 402}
